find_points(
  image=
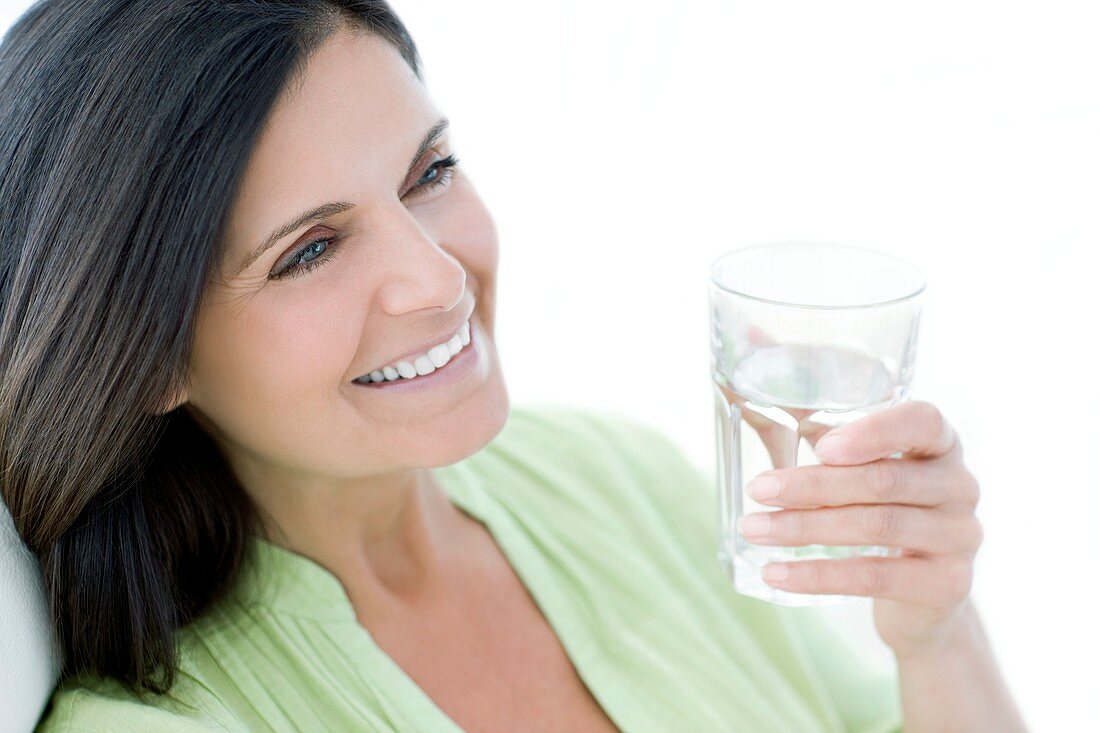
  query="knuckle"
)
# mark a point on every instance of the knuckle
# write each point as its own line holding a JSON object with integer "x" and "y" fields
{"x": 971, "y": 490}
{"x": 929, "y": 417}
{"x": 959, "y": 577}
{"x": 880, "y": 524}
{"x": 810, "y": 573}
{"x": 797, "y": 525}
{"x": 885, "y": 481}
{"x": 976, "y": 534}
{"x": 872, "y": 578}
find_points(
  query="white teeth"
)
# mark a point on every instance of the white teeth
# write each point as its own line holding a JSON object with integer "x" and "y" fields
{"x": 437, "y": 357}
{"x": 424, "y": 365}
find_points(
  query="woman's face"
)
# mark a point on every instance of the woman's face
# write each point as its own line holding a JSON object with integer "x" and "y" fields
{"x": 397, "y": 267}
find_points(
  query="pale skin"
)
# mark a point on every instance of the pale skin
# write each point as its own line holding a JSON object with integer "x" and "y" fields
{"x": 343, "y": 476}
{"x": 922, "y": 502}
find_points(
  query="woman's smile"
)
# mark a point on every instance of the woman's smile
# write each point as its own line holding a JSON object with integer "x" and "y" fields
{"x": 423, "y": 359}
{"x": 458, "y": 368}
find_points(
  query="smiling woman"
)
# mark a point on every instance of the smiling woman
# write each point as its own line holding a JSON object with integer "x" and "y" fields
{"x": 236, "y": 530}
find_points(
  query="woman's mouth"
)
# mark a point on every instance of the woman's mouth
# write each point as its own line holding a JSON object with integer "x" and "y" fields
{"x": 456, "y": 366}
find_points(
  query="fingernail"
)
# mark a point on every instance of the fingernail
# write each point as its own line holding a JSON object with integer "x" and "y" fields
{"x": 831, "y": 446}
{"x": 755, "y": 525}
{"x": 776, "y": 572}
{"x": 763, "y": 487}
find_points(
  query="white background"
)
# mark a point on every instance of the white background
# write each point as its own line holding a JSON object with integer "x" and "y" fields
{"x": 622, "y": 146}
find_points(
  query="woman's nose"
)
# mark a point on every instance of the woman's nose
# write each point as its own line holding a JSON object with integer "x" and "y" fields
{"x": 416, "y": 271}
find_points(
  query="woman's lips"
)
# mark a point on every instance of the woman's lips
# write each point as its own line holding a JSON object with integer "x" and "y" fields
{"x": 455, "y": 368}
{"x": 413, "y": 355}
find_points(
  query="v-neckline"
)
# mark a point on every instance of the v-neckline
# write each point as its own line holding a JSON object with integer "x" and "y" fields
{"x": 476, "y": 504}
{"x": 526, "y": 564}
{"x": 379, "y": 667}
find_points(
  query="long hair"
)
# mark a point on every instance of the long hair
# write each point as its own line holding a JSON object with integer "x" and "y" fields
{"x": 125, "y": 127}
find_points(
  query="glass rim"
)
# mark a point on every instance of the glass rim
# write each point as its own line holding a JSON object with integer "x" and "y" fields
{"x": 923, "y": 282}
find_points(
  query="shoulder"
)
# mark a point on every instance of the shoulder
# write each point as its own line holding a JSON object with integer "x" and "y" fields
{"x": 613, "y": 464}
{"x": 88, "y": 704}
{"x": 598, "y": 470}
{"x": 587, "y": 437}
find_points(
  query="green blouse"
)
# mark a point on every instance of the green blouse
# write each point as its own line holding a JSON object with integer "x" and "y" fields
{"x": 613, "y": 532}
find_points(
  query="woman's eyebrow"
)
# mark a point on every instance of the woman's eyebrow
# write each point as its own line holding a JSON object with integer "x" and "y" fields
{"x": 429, "y": 140}
{"x": 335, "y": 207}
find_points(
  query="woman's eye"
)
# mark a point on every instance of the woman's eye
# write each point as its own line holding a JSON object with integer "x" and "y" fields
{"x": 445, "y": 170}
{"x": 308, "y": 257}
{"x": 319, "y": 251}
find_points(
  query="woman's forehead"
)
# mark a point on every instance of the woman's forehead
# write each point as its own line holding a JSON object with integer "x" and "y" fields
{"x": 345, "y": 130}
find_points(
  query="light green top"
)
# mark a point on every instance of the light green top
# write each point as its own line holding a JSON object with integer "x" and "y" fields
{"x": 613, "y": 532}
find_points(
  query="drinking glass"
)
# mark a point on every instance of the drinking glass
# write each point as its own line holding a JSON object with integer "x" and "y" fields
{"x": 805, "y": 336}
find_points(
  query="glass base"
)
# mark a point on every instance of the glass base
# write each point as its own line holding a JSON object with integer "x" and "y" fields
{"x": 747, "y": 580}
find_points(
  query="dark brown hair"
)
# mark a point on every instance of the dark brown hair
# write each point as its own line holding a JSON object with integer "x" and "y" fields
{"x": 125, "y": 127}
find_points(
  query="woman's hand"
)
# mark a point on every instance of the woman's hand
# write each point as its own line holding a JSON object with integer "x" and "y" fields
{"x": 922, "y": 503}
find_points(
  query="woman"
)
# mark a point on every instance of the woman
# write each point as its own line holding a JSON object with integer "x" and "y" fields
{"x": 255, "y": 428}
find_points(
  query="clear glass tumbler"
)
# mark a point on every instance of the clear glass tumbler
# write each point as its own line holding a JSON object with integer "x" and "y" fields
{"x": 805, "y": 336}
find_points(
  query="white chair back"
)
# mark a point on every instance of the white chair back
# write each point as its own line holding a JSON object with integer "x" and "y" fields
{"x": 29, "y": 664}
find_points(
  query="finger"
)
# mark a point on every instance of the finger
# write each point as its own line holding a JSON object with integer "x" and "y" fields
{"x": 775, "y": 436}
{"x": 915, "y": 528}
{"x": 914, "y": 428}
{"x": 778, "y": 440}
{"x": 918, "y": 482}
{"x": 937, "y": 583}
